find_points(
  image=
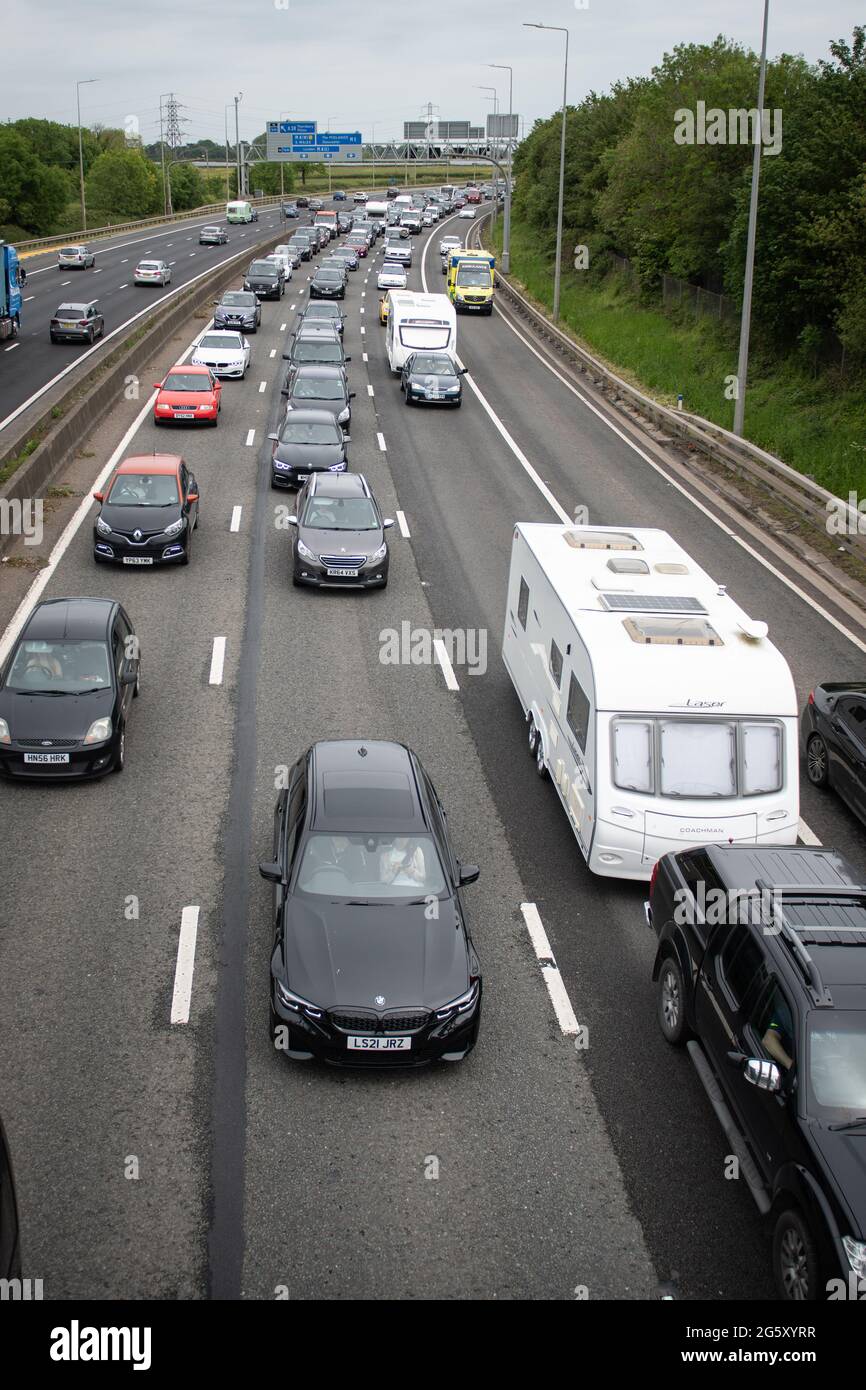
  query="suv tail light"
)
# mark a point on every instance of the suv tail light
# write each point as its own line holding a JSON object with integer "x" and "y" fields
{"x": 811, "y": 699}
{"x": 82, "y": 323}
{"x": 653, "y": 877}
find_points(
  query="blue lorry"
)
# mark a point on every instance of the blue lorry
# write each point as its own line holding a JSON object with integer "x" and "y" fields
{"x": 10, "y": 292}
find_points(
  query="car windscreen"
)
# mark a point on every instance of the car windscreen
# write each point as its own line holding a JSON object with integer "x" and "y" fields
{"x": 318, "y": 388}
{"x": 70, "y": 310}
{"x": 264, "y": 268}
{"x": 150, "y": 265}
{"x": 225, "y": 342}
{"x": 312, "y": 350}
{"x": 186, "y": 381}
{"x": 322, "y": 311}
{"x": 474, "y": 275}
{"x": 239, "y": 299}
{"x": 72, "y": 251}
{"x": 370, "y": 867}
{"x": 836, "y": 1064}
{"x": 340, "y": 514}
{"x": 329, "y": 277}
{"x": 62, "y": 668}
{"x": 143, "y": 490}
{"x": 311, "y": 432}
{"x": 210, "y": 231}
{"x": 433, "y": 364}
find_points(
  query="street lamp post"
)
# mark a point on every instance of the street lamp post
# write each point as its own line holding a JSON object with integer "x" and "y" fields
{"x": 495, "y": 114}
{"x": 84, "y": 83}
{"x": 557, "y": 277}
{"x": 226, "y": 123}
{"x": 746, "y": 316}
{"x": 506, "y": 229}
{"x": 236, "y": 99}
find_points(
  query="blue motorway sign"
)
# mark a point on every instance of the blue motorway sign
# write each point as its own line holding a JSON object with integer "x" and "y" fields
{"x": 291, "y": 127}
{"x": 325, "y": 137}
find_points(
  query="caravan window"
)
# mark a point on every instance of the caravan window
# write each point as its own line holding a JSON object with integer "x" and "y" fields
{"x": 523, "y": 603}
{"x": 762, "y": 758}
{"x": 633, "y": 755}
{"x": 556, "y": 664}
{"x": 578, "y": 712}
{"x": 698, "y": 758}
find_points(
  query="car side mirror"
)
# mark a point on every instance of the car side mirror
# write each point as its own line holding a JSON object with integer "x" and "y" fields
{"x": 464, "y": 371}
{"x": 348, "y": 357}
{"x": 292, "y": 520}
{"x": 272, "y": 872}
{"x": 764, "y": 1075}
{"x": 157, "y": 386}
{"x": 193, "y": 497}
{"x": 129, "y": 674}
{"x": 352, "y": 395}
{"x": 387, "y": 523}
{"x": 287, "y": 356}
{"x": 100, "y": 496}
{"x": 468, "y": 874}
{"x": 284, "y": 392}
{"x": 273, "y": 436}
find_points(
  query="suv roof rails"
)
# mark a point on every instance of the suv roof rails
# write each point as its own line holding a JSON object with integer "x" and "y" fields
{"x": 821, "y": 996}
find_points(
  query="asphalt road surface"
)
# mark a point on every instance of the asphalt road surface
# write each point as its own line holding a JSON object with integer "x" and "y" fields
{"x": 182, "y": 1161}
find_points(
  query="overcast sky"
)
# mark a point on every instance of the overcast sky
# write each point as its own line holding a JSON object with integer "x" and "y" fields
{"x": 360, "y": 63}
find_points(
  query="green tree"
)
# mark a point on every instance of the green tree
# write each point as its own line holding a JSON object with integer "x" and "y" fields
{"x": 187, "y": 187}
{"x": 32, "y": 194}
{"x": 122, "y": 186}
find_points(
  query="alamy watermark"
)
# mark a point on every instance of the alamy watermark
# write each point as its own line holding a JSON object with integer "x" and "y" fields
{"x": 736, "y": 126}
{"x": 846, "y": 518}
{"x": 414, "y": 646}
{"x": 734, "y": 906}
{"x": 22, "y": 518}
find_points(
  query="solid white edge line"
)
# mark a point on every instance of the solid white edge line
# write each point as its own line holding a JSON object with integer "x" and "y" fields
{"x": 217, "y": 661}
{"x": 445, "y": 662}
{"x": 235, "y": 524}
{"x": 404, "y": 525}
{"x": 382, "y": 445}
{"x": 565, "y": 1015}
{"x": 185, "y": 966}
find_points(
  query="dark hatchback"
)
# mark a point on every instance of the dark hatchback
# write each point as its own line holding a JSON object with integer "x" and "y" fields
{"x": 761, "y": 974}
{"x": 238, "y": 309}
{"x": 148, "y": 514}
{"x": 320, "y": 343}
{"x": 313, "y": 387}
{"x": 328, "y": 284}
{"x": 833, "y": 739}
{"x": 264, "y": 279}
{"x": 323, "y": 310}
{"x": 373, "y": 964}
{"x": 339, "y": 539}
{"x": 303, "y": 247}
{"x": 66, "y": 690}
{"x": 309, "y": 441}
{"x": 432, "y": 378}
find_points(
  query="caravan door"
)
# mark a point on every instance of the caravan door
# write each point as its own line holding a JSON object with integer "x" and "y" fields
{"x": 572, "y": 762}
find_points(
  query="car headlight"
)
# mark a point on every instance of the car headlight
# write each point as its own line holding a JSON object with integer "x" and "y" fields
{"x": 337, "y": 467}
{"x": 343, "y": 416}
{"x": 281, "y": 467}
{"x": 295, "y": 1002}
{"x": 99, "y": 731}
{"x": 175, "y": 528}
{"x": 206, "y": 406}
{"x": 854, "y": 1249}
{"x": 305, "y": 551}
{"x": 103, "y": 527}
{"x": 5, "y": 736}
{"x": 380, "y": 553}
{"x": 463, "y": 1005}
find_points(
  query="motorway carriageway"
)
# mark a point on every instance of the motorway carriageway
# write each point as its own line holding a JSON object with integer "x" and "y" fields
{"x": 536, "y": 1168}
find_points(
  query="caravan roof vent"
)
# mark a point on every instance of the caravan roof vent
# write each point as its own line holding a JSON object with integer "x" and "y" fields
{"x": 753, "y": 628}
{"x": 651, "y": 603}
{"x": 625, "y": 564}
{"x": 583, "y": 538}
{"x": 672, "y": 632}
{"x": 671, "y": 567}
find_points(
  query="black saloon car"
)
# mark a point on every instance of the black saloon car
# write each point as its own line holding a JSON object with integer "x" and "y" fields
{"x": 833, "y": 738}
{"x": 76, "y": 323}
{"x": 373, "y": 963}
{"x": 761, "y": 974}
{"x": 322, "y": 345}
{"x": 432, "y": 377}
{"x": 314, "y": 387}
{"x": 308, "y": 441}
{"x": 339, "y": 540}
{"x": 148, "y": 513}
{"x": 264, "y": 279}
{"x": 317, "y": 310}
{"x": 238, "y": 309}
{"x": 66, "y": 690}
{"x": 328, "y": 284}
{"x": 303, "y": 247}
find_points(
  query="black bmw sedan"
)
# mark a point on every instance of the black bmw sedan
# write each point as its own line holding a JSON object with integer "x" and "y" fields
{"x": 309, "y": 441}
{"x": 373, "y": 963}
{"x": 66, "y": 690}
{"x": 833, "y": 739}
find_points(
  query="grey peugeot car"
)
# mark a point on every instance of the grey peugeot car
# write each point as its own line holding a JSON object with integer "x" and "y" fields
{"x": 308, "y": 442}
{"x": 339, "y": 534}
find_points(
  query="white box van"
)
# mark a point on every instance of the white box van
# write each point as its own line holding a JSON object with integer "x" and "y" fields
{"x": 661, "y": 711}
{"x": 419, "y": 322}
{"x": 239, "y": 212}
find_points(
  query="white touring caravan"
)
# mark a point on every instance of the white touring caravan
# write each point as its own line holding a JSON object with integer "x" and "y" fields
{"x": 376, "y": 212}
{"x": 661, "y": 711}
{"x": 417, "y": 322}
{"x": 239, "y": 211}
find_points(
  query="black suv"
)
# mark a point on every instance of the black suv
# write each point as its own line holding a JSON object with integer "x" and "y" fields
{"x": 373, "y": 963}
{"x": 761, "y": 973}
{"x": 264, "y": 279}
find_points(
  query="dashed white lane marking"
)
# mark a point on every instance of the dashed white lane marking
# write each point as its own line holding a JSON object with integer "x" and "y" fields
{"x": 363, "y": 330}
{"x": 28, "y": 297}
{"x": 370, "y": 391}
{"x": 806, "y": 835}
{"x": 382, "y": 445}
{"x": 263, "y": 386}
{"x": 251, "y": 434}
{"x": 361, "y": 309}
{"x": 235, "y": 524}
{"x": 11, "y": 347}
{"x": 168, "y": 244}
{"x": 185, "y": 966}
{"x": 445, "y": 662}
{"x": 97, "y": 270}
{"x": 565, "y": 1015}
{"x": 126, "y": 258}
{"x": 404, "y": 525}
{"x": 364, "y": 357}
{"x": 65, "y": 282}
{"x": 124, "y": 287}
{"x": 363, "y": 295}
{"x": 217, "y": 661}
{"x": 172, "y": 262}
{"x": 272, "y": 353}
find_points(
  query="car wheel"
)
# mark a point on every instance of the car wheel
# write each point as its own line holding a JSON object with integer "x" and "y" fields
{"x": 817, "y": 762}
{"x": 90, "y": 336}
{"x": 670, "y": 1003}
{"x": 408, "y": 396}
{"x": 540, "y": 765}
{"x": 458, "y": 403}
{"x": 296, "y": 581}
{"x": 795, "y": 1258}
{"x": 120, "y": 756}
{"x": 136, "y": 689}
